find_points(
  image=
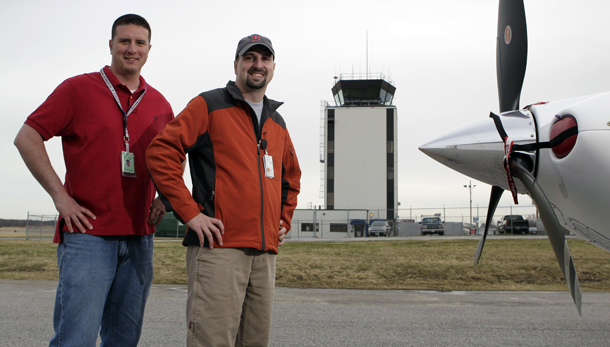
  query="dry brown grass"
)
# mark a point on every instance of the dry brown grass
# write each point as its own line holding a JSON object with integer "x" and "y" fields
{"x": 37, "y": 260}
{"x": 507, "y": 264}
{"x": 28, "y": 260}
{"x": 447, "y": 264}
{"x": 169, "y": 263}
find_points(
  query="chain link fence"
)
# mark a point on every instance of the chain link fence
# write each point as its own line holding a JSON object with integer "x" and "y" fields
{"x": 40, "y": 226}
{"x": 321, "y": 224}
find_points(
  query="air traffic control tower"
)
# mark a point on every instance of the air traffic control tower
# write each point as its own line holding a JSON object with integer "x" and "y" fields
{"x": 358, "y": 146}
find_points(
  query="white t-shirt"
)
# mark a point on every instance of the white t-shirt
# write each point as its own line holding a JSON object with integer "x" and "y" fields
{"x": 258, "y": 109}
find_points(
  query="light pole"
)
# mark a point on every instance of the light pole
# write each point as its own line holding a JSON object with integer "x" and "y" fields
{"x": 470, "y": 186}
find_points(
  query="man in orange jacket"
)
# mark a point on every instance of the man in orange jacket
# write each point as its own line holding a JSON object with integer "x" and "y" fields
{"x": 246, "y": 178}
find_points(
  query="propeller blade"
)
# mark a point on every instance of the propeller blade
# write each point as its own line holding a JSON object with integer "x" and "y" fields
{"x": 552, "y": 226}
{"x": 494, "y": 198}
{"x": 511, "y": 53}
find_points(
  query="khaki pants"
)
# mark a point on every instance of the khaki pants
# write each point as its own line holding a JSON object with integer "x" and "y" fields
{"x": 230, "y": 296}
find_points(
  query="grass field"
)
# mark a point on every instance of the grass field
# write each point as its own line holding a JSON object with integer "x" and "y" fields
{"x": 444, "y": 265}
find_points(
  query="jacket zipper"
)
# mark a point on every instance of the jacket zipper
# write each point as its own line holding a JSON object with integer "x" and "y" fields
{"x": 260, "y": 178}
{"x": 258, "y": 132}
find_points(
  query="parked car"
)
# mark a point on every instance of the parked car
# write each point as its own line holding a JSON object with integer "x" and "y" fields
{"x": 379, "y": 228}
{"x": 432, "y": 225}
{"x": 513, "y": 224}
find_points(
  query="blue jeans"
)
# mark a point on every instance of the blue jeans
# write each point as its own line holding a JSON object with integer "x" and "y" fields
{"x": 103, "y": 282}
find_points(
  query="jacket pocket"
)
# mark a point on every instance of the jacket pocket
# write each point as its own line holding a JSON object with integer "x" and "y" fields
{"x": 292, "y": 163}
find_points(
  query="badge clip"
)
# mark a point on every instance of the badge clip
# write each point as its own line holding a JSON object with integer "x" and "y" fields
{"x": 268, "y": 164}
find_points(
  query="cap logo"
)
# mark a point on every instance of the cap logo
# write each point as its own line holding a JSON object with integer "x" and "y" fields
{"x": 508, "y": 34}
{"x": 256, "y": 38}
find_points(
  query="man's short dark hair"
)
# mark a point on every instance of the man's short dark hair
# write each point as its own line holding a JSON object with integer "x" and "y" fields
{"x": 131, "y": 19}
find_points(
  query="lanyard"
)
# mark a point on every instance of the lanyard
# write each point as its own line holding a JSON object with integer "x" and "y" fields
{"x": 125, "y": 115}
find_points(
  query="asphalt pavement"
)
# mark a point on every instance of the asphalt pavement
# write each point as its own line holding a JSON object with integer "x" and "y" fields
{"x": 355, "y": 318}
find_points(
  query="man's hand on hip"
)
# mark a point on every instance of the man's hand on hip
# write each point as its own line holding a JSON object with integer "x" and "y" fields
{"x": 74, "y": 215}
{"x": 210, "y": 227}
{"x": 282, "y": 233}
{"x": 156, "y": 213}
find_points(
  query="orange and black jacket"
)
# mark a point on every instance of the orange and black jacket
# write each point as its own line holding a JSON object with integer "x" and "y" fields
{"x": 225, "y": 145}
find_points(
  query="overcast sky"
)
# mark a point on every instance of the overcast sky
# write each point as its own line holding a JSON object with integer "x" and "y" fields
{"x": 439, "y": 53}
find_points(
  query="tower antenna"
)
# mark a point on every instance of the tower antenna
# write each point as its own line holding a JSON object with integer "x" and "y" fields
{"x": 367, "y": 54}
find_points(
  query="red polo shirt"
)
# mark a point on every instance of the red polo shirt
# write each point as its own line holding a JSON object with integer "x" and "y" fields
{"x": 83, "y": 111}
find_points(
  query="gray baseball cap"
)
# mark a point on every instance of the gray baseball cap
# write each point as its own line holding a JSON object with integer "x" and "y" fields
{"x": 250, "y": 41}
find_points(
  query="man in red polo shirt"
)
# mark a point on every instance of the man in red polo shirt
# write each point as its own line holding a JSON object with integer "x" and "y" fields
{"x": 107, "y": 204}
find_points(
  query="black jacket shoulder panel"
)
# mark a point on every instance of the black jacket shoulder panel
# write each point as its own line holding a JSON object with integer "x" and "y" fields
{"x": 217, "y": 99}
{"x": 278, "y": 119}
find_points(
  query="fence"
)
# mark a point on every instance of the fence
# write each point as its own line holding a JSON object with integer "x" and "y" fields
{"x": 462, "y": 214}
{"x": 40, "y": 226}
{"x": 329, "y": 223}
{"x": 310, "y": 223}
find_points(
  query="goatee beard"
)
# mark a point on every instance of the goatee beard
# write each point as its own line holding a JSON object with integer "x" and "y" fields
{"x": 253, "y": 85}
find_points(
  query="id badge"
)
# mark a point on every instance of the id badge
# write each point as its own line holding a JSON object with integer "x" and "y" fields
{"x": 268, "y": 164}
{"x": 128, "y": 167}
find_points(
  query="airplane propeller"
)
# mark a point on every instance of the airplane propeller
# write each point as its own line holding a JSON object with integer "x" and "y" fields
{"x": 511, "y": 53}
{"x": 551, "y": 224}
{"x": 511, "y": 61}
{"x": 496, "y": 194}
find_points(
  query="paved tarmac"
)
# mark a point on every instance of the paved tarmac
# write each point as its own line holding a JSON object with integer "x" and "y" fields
{"x": 354, "y": 318}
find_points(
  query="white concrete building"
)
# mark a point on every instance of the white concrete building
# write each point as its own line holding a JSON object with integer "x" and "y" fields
{"x": 359, "y": 160}
{"x": 328, "y": 223}
{"x": 359, "y": 147}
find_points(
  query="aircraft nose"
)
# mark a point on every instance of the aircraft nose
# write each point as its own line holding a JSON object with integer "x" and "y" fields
{"x": 477, "y": 150}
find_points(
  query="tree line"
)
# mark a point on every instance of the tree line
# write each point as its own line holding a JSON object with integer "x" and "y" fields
{"x": 22, "y": 223}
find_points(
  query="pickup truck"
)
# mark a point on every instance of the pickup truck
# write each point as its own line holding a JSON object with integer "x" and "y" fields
{"x": 432, "y": 225}
{"x": 513, "y": 224}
